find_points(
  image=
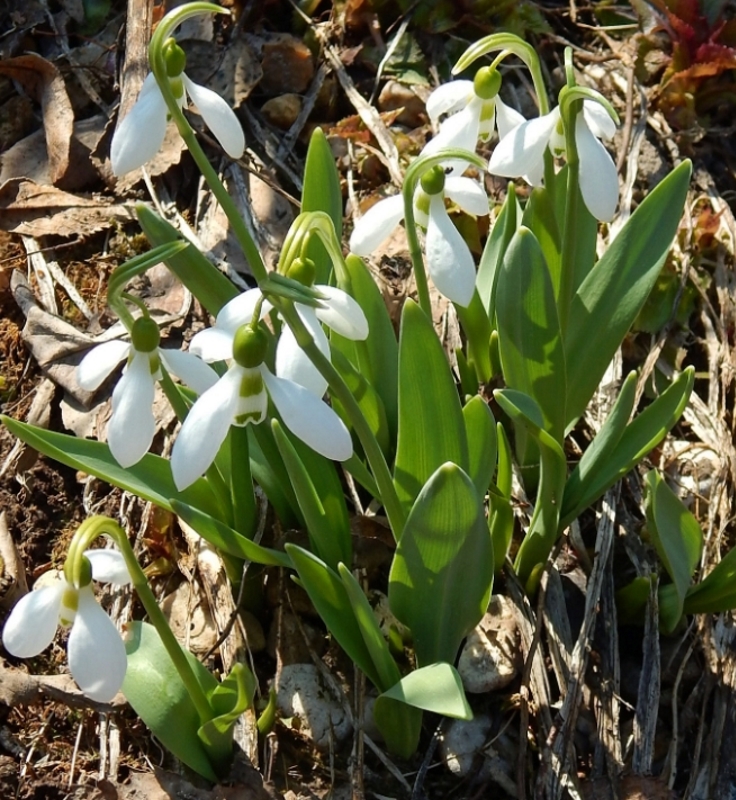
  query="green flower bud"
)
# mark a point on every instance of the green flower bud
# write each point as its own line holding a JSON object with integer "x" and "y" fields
{"x": 302, "y": 270}
{"x": 175, "y": 58}
{"x": 249, "y": 346}
{"x": 145, "y": 335}
{"x": 433, "y": 180}
{"x": 487, "y": 83}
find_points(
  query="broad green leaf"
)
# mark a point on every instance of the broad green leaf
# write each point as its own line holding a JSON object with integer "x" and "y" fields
{"x": 717, "y": 592}
{"x": 399, "y": 724}
{"x": 529, "y": 335}
{"x": 229, "y": 699}
{"x": 431, "y": 426}
{"x": 271, "y": 475}
{"x": 543, "y": 528}
{"x": 329, "y": 534}
{"x": 498, "y": 241}
{"x": 477, "y": 329}
{"x": 224, "y": 538}
{"x": 541, "y": 218}
{"x": 386, "y": 668}
{"x": 199, "y": 275}
{"x": 677, "y": 537}
{"x": 631, "y": 600}
{"x": 501, "y": 513}
{"x": 149, "y": 479}
{"x": 437, "y": 688}
{"x": 321, "y": 192}
{"x": 442, "y": 572}
{"x": 608, "y": 460}
{"x": 330, "y": 598}
{"x": 611, "y": 296}
{"x": 157, "y": 694}
{"x": 480, "y": 428}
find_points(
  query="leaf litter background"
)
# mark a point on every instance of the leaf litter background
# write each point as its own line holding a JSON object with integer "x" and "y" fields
{"x": 584, "y": 707}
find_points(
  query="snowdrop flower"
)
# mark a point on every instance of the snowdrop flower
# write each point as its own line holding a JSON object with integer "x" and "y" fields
{"x": 339, "y": 311}
{"x": 96, "y": 652}
{"x": 241, "y": 397}
{"x": 476, "y": 110}
{"x": 448, "y": 257}
{"x": 521, "y": 153}
{"x": 132, "y": 425}
{"x": 140, "y": 135}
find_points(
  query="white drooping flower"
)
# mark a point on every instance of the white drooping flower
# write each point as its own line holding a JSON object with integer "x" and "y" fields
{"x": 521, "y": 154}
{"x": 241, "y": 397}
{"x": 475, "y": 110}
{"x": 95, "y": 650}
{"x": 132, "y": 425}
{"x": 140, "y": 135}
{"x": 448, "y": 257}
{"x": 339, "y": 311}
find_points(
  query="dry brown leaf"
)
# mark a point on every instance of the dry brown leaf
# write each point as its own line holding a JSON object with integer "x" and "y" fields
{"x": 31, "y": 209}
{"x": 42, "y": 80}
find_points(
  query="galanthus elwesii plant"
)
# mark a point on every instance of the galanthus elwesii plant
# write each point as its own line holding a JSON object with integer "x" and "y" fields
{"x": 300, "y": 411}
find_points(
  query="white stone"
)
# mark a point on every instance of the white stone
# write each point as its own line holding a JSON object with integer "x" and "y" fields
{"x": 461, "y": 742}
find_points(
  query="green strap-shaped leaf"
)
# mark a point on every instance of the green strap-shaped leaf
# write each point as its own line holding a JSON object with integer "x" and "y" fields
{"x": 442, "y": 573}
{"x": 678, "y": 540}
{"x": 541, "y": 218}
{"x": 611, "y": 296}
{"x": 612, "y": 454}
{"x": 329, "y": 534}
{"x": 501, "y": 514}
{"x": 529, "y": 335}
{"x": 199, "y": 275}
{"x": 150, "y": 478}
{"x": 157, "y": 694}
{"x": 717, "y": 592}
{"x": 498, "y": 241}
{"x": 399, "y": 724}
{"x": 481, "y": 432}
{"x": 477, "y": 329}
{"x": 329, "y": 596}
{"x": 431, "y": 425}
{"x": 271, "y": 475}
{"x": 437, "y": 688}
{"x": 543, "y": 528}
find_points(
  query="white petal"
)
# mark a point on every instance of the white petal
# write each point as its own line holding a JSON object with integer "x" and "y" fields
{"x": 239, "y": 310}
{"x": 449, "y": 261}
{"x": 308, "y": 418}
{"x": 33, "y": 621}
{"x": 212, "y": 344}
{"x": 522, "y": 150}
{"x": 190, "y": 369}
{"x": 108, "y": 566}
{"x": 218, "y": 115}
{"x": 342, "y": 313}
{"x": 598, "y": 176}
{"x": 100, "y": 362}
{"x": 459, "y": 131}
{"x": 507, "y": 118}
{"x": 449, "y": 98}
{"x": 96, "y": 652}
{"x": 293, "y": 364}
{"x": 376, "y": 225}
{"x": 468, "y": 194}
{"x": 599, "y": 120}
{"x": 205, "y": 429}
{"x": 140, "y": 135}
{"x": 132, "y": 426}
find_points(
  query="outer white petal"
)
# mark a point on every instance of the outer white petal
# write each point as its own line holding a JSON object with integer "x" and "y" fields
{"x": 190, "y": 369}
{"x": 522, "y": 149}
{"x": 240, "y": 310}
{"x": 468, "y": 194}
{"x": 33, "y": 621}
{"x": 376, "y": 225}
{"x": 205, "y": 429}
{"x": 599, "y": 120}
{"x": 140, "y": 135}
{"x": 449, "y": 260}
{"x": 218, "y": 115}
{"x": 131, "y": 427}
{"x": 598, "y": 176}
{"x": 449, "y": 98}
{"x": 458, "y": 131}
{"x": 213, "y": 344}
{"x": 96, "y": 651}
{"x": 108, "y": 566}
{"x": 342, "y": 313}
{"x": 100, "y": 362}
{"x": 293, "y": 364}
{"x": 507, "y": 118}
{"x": 307, "y": 417}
